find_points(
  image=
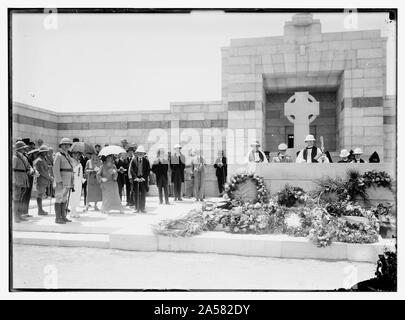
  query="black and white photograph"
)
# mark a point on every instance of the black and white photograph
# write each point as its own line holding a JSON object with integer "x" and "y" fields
{"x": 202, "y": 149}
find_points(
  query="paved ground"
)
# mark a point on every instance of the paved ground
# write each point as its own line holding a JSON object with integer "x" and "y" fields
{"x": 96, "y": 222}
{"x": 62, "y": 267}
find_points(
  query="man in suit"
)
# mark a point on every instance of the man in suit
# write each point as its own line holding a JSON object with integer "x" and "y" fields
{"x": 128, "y": 186}
{"x": 177, "y": 165}
{"x": 83, "y": 160}
{"x": 139, "y": 170}
{"x": 122, "y": 169}
{"x": 44, "y": 178}
{"x": 63, "y": 175}
{"x": 221, "y": 171}
{"x": 159, "y": 168}
{"x": 21, "y": 171}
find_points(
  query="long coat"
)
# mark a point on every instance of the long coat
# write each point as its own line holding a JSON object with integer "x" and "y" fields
{"x": 63, "y": 169}
{"x": 42, "y": 167}
{"x": 21, "y": 170}
{"x": 160, "y": 168}
{"x": 177, "y": 167}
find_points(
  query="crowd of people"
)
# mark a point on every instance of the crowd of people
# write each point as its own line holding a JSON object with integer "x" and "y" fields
{"x": 310, "y": 154}
{"x": 71, "y": 172}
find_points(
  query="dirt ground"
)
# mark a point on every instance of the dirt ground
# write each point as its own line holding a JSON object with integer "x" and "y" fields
{"x": 46, "y": 267}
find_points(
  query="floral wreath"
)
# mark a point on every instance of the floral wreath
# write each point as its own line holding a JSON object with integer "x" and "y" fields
{"x": 262, "y": 194}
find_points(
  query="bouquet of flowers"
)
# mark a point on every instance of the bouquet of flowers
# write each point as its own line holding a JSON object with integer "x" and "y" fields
{"x": 377, "y": 178}
{"x": 290, "y": 196}
{"x": 248, "y": 218}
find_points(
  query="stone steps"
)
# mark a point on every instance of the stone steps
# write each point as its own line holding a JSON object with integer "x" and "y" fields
{"x": 276, "y": 246}
{"x": 61, "y": 239}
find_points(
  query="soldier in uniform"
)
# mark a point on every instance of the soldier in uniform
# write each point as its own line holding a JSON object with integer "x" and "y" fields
{"x": 21, "y": 171}
{"x": 63, "y": 175}
{"x": 282, "y": 156}
{"x": 44, "y": 178}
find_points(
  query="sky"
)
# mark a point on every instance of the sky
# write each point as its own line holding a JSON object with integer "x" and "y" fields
{"x": 114, "y": 62}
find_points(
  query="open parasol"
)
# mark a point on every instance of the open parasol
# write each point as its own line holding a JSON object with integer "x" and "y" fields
{"x": 109, "y": 150}
{"x": 82, "y": 147}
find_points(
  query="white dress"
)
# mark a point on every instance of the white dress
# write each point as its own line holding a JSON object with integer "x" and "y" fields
{"x": 75, "y": 196}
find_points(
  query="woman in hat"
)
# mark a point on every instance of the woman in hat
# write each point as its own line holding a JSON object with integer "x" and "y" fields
{"x": 77, "y": 184}
{"x": 344, "y": 156}
{"x": 282, "y": 156}
{"x": 93, "y": 186}
{"x": 107, "y": 176}
{"x": 44, "y": 179}
{"x": 357, "y": 156}
{"x": 256, "y": 155}
{"x": 311, "y": 153}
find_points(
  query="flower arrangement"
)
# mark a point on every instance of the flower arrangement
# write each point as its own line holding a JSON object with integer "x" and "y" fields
{"x": 321, "y": 233}
{"x": 346, "y": 231}
{"x": 377, "y": 179}
{"x": 248, "y": 218}
{"x": 262, "y": 194}
{"x": 355, "y": 186}
{"x": 290, "y": 196}
{"x": 291, "y": 211}
{"x": 344, "y": 208}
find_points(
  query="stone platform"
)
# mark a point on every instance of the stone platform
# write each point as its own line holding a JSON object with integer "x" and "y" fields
{"x": 131, "y": 231}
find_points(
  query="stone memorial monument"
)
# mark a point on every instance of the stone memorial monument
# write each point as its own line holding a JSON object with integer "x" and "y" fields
{"x": 301, "y": 109}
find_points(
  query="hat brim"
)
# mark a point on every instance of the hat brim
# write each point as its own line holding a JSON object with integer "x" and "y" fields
{"x": 23, "y": 147}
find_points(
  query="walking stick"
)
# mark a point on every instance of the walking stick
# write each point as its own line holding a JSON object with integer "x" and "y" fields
{"x": 139, "y": 197}
{"x": 50, "y": 196}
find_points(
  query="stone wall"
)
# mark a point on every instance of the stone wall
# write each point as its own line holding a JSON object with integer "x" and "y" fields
{"x": 34, "y": 123}
{"x": 193, "y": 124}
{"x": 390, "y": 136}
{"x": 352, "y": 63}
{"x": 277, "y": 175}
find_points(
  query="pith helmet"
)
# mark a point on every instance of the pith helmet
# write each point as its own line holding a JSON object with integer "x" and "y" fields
{"x": 43, "y": 148}
{"x": 140, "y": 149}
{"x": 20, "y": 145}
{"x": 65, "y": 141}
{"x": 309, "y": 137}
{"x": 357, "y": 151}
{"x": 282, "y": 147}
{"x": 344, "y": 153}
